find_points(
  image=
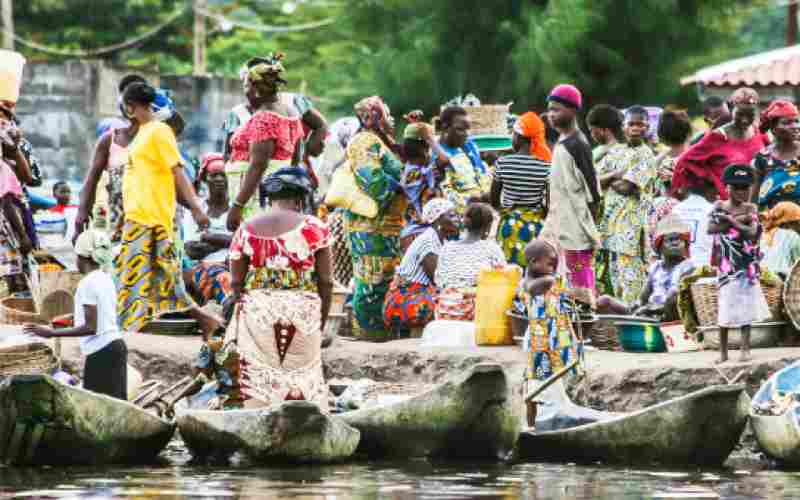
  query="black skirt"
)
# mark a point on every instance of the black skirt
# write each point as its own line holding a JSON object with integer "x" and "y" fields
{"x": 106, "y": 371}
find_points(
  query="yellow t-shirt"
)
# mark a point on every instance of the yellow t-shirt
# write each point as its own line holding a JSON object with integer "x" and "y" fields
{"x": 148, "y": 186}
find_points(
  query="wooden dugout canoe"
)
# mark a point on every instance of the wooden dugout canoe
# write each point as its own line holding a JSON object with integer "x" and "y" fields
{"x": 701, "y": 428}
{"x": 469, "y": 416}
{"x": 45, "y": 422}
{"x": 293, "y": 432}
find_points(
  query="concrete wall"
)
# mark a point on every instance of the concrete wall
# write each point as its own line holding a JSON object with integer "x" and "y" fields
{"x": 61, "y": 104}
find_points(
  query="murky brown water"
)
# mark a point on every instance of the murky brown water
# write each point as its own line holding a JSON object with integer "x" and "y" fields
{"x": 176, "y": 478}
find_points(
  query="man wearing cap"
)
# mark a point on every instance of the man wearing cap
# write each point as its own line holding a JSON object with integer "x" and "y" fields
{"x": 574, "y": 189}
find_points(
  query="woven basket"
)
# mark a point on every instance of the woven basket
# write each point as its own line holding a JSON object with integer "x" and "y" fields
{"x": 26, "y": 359}
{"x": 342, "y": 261}
{"x": 488, "y": 119}
{"x": 19, "y": 311}
{"x": 603, "y": 335}
{"x": 705, "y": 298}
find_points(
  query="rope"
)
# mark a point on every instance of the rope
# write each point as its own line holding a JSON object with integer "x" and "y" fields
{"x": 263, "y": 27}
{"x": 103, "y": 50}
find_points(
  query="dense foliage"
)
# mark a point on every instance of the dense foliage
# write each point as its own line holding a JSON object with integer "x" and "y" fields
{"x": 419, "y": 53}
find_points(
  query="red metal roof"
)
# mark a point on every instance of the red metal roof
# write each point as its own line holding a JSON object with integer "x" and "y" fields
{"x": 776, "y": 67}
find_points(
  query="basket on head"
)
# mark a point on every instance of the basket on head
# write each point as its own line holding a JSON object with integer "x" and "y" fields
{"x": 705, "y": 296}
{"x": 491, "y": 119}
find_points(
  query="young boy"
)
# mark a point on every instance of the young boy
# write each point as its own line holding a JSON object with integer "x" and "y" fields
{"x": 550, "y": 341}
{"x": 106, "y": 368}
{"x": 659, "y": 297}
{"x": 736, "y": 256}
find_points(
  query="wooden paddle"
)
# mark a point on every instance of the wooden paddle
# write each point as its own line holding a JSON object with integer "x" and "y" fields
{"x": 550, "y": 381}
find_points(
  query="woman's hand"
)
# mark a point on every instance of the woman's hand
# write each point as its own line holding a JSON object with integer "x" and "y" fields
{"x": 39, "y": 331}
{"x": 15, "y": 134}
{"x": 234, "y": 218}
{"x": 81, "y": 223}
{"x": 200, "y": 218}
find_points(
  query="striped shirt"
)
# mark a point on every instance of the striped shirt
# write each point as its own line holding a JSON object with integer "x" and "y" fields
{"x": 524, "y": 180}
{"x": 411, "y": 266}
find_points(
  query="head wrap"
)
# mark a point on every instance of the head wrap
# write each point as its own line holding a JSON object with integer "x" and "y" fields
{"x": 782, "y": 213}
{"x": 775, "y": 111}
{"x": 211, "y": 163}
{"x": 163, "y": 107}
{"x": 531, "y": 126}
{"x": 744, "y": 96}
{"x": 373, "y": 114}
{"x": 264, "y": 69}
{"x": 671, "y": 224}
{"x": 343, "y": 129}
{"x": 94, "y": 245}
{"x": 435, "y": 208}
{"x": 414, "y": 130}
{"x": 566, "y": 94}
{"x": 288, "y": 178}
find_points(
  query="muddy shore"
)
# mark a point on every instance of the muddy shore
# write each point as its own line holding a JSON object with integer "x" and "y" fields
{"x": 614, "y": 381}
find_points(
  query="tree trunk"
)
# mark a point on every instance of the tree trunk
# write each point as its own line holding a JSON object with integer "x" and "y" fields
{"x": 7, "y": 13}
{"x": 199, "y": 38}
{"x": 791, "y": 24}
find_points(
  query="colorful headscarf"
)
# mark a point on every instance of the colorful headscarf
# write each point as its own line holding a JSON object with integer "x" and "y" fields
{"x": 373, "y": 113}
{"x": 211, "y": 163}
{"x": 163, "y": 107}
{"x": 531, "y": 126}
{"x": 95, "y": 245}
{"x": 264, "y": 69}
{"x": 435, "y": 208}
{"x": 744, "y": 96}
{"x": 288, "y": 178}
{"x": 672, "y": 224}
{"x": 775, "y": 111}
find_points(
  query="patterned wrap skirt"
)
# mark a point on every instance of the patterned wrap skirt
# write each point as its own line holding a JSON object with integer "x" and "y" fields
{"x": 456, "y": 304}
{"x": 621, "y": 276}
{"x": 518, "y": 227}
{"x": 213, "y": 281}
{"x": 149, "y": 278}
{"x": 580, "y": 270}
{"x": 408, "y": 305}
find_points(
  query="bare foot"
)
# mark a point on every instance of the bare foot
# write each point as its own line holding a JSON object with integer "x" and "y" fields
{"x": 721, "y": 360}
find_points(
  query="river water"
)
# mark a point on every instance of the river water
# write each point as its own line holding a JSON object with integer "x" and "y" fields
{"x": 176, "y": 478}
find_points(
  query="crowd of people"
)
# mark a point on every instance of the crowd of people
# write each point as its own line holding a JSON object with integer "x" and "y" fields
{"x": 652, "y": 201}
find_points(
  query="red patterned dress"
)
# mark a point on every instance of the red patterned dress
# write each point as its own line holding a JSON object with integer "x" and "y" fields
{"x": 274, "y": 339}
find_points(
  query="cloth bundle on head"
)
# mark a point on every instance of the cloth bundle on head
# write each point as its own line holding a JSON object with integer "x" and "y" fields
{"x": 288, "y": 178}
{"x": 775, "y": 111}
{"x": 264, "y": 69}
{"x": 531, "y": 126}
{"x": 95, "y": 245}
{"x": 435, "y": 208}
{"x": 744, "y": 96}
{"x": 373, "y": 113}
{"x": 671, "y": 224}
{"x": 566, "y": 94}
{"x": 782, "y": 213}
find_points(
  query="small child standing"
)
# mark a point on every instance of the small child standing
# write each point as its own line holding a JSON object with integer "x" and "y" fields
{"x": 736, "y": 255}
{"x": 106, "y": 367}
{"x": 549, "y": 340}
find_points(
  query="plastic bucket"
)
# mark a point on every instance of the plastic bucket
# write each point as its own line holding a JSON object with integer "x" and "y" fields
{"x": 11, "y": 64}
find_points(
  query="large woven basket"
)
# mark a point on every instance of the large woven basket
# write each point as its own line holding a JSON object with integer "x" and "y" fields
{"x": 705, "y": 295}
{"x": 26, "y": 359}
{"x": 342, "y": 261}
{"x": 602, "y": 334}
{"x": 19, "y": 311}
{"x": 488, "y": 119}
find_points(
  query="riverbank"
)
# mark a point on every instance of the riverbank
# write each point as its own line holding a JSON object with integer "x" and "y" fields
{"x": 614, "y": 381}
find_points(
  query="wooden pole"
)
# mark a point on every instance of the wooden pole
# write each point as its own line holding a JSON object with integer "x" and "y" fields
{"x": 791, "y": 24}
{"x": 7, "y": 13}
{"x": 199, "y": 38}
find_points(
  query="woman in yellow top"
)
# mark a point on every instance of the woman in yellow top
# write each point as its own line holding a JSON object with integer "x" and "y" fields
{"x": 148, "y": 268}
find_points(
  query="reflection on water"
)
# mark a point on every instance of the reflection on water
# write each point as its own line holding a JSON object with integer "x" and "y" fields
{"x": 175, "y": 478}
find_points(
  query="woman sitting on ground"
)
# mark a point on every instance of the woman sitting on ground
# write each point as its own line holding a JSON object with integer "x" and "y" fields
{"x": 282, "y": 288}
{"x": 209, "y": 277}
{"x": 410, "y": 302}
{"x": 460, "y": 263}
{"x": 660, "y": 293}
{"x": 781, "y": 240}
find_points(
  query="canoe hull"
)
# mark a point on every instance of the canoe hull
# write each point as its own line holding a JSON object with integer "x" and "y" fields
{"x": 44, "y": 422}
{"x": 701, "y": 428}
{"x": 469, "y": 416}
{"x": 778, "y": 437}
{"x": 294, "y": 432}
